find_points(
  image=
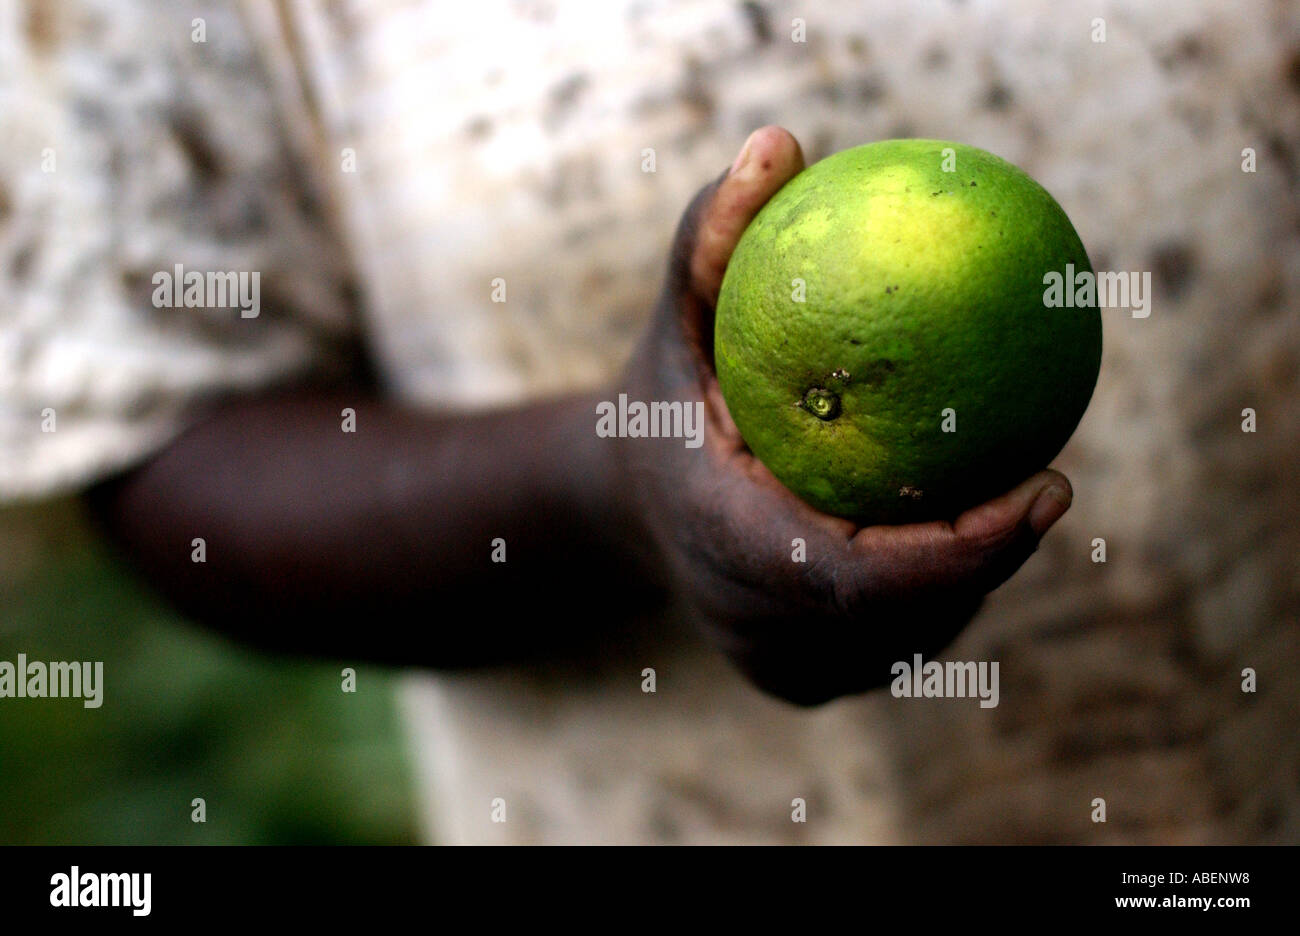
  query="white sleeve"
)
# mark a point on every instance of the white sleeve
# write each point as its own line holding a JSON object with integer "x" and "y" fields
{"x": 130, "y": 148}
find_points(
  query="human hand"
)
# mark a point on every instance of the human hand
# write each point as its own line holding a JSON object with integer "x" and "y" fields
{"x": 725, "y": 528}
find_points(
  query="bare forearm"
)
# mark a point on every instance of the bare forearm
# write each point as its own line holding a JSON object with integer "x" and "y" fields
{"x": 380, "y": 542}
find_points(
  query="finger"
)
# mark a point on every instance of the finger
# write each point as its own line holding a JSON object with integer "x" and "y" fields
{"x": 978, "y": 552}
{"x": 769, "y": 159}
{"x": 1041, "y": 501}
{"x": 706, "y": 236}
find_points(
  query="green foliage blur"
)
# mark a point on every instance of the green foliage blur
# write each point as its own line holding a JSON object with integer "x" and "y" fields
{"x": 278, "y": 752}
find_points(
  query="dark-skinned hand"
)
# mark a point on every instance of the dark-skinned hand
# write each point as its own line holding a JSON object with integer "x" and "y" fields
{"x": 866, "y": 596}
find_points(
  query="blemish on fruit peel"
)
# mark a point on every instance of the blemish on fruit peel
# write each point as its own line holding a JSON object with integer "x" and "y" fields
{"x": 822, "y": 403}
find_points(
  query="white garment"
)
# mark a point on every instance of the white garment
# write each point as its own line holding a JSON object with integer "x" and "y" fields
{"x": 130, "y": 148}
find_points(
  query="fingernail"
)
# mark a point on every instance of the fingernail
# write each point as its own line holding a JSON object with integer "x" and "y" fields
{"x": 743, "y": 157}
{"x": 1052, "y": 502}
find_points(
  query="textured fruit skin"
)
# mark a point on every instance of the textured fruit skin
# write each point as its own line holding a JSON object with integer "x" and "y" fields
{"x": 923, "y": 293}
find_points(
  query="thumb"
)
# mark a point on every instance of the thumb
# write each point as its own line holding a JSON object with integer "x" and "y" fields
{"x": 977, "y": 552}
{"x": 720, "y": 212}
{"x": 707, "y": 235}
{"x": 770, "y": 158}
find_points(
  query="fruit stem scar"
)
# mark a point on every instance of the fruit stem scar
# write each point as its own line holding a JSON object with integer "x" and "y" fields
{"x": 821, "y": 403}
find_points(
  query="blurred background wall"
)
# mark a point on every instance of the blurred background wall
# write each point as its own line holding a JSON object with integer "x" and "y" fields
{"x": 507, "y": 139}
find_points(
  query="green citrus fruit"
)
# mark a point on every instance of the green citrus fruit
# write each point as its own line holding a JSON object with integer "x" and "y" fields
{"x": 883, "y": 340}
